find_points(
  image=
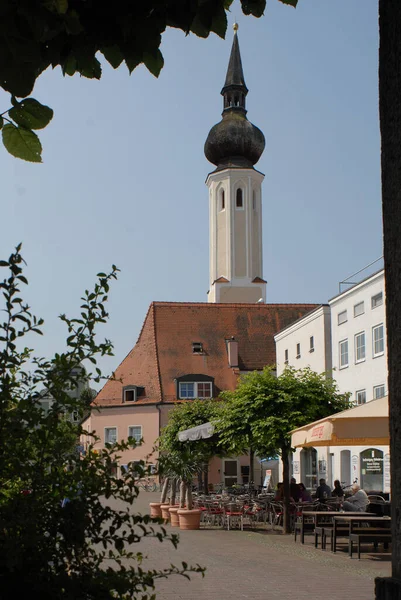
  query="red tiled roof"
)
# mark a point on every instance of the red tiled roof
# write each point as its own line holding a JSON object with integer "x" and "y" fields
{"x": 163, "y": 351}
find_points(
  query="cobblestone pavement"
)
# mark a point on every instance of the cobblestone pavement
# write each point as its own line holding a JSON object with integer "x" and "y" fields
{"x": 258, "y": 566}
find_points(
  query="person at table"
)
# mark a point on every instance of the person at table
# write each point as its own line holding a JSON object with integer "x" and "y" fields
{"x": 359, "y": 500}
{"x": 323, "y": 491}
{"x": 338, "y": 491}
{"x": 294, "y": 490}
{"x": 279, "y": 495}
{"x": 304, "y": 495}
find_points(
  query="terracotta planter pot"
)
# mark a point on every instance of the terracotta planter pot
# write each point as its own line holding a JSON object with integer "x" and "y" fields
{"x": 174, "y": 519}
{"x": 165, "y": 508}
{"x": 189, "y": 519}
{"x": 155, "y": 510}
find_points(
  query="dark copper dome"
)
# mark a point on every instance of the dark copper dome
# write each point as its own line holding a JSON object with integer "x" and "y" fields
{"x": 235, "y": 141}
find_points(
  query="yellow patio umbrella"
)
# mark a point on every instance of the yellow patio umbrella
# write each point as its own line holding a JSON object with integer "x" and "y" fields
{"x": 364, "y": 425}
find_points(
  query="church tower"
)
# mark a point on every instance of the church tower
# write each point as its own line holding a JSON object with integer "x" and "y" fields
{"x": 235, "y": 197}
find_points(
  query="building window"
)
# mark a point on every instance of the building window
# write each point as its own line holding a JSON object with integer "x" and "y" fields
{"x": 204, "y": 389}
{"x": 187, "y": 390}
{"x": 311, "y": 344}
{"x": 286, "y": 357}
{"x": 360, "y": 353}
{"x": 239, "y": 200}
{"x": 342, "y": 317}
{"x": 298, "y": 350}
{"x": 129, "y": 393}
{"x": 360, "y": 396}
{"x": 359, "y": 309}
{"x": 378, "y": 340}
{"x": 197, "y": 347}
{"x": 222, "y": 200}
{"x": 135, "y": 431}
{"x": 377, "y": 300}
{"x": 75, "y": 416}
{"x": 194, "y": 389}
{"x": 379, "y": 391}
{"x": 254, "y": 200}
{"x": 110, "y": 435}
{"x": 343, "y": 354}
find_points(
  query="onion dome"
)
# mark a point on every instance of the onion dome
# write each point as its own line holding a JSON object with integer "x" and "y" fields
{"x": 235, "y": 141}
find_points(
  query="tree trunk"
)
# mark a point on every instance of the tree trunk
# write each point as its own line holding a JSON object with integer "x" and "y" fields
{"x": 390, "y": 129}
{"x": 190, "y": 502}
{"x": 200, "y": 481}
{"x": 164, "y": 491}
{"x": 206, "y": 478}
{"x": 182, "y": 494}
{"x": 285, "y": 458}
{"x": 251, "y": 468}
{"x": 173, "y": 491}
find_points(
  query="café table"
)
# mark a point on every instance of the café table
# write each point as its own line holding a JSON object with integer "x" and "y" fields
{"x": 354, "y": 521}
{"x": 316, "y": 518}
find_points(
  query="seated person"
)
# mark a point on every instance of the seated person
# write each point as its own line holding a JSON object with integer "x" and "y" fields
{"x": 304, "y": 495}
{"x": 294, "y": 490}
{"x": 323, "y": 491}
{"x": 338, "y": 490}
{"x": 279, "y": 495}
{"x": 359, "y": 500}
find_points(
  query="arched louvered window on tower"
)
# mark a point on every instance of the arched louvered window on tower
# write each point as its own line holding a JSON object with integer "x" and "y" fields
{"x": 222, "y": 199}
{"x": 239, "y": 199}
{"x": 254, "y": 200}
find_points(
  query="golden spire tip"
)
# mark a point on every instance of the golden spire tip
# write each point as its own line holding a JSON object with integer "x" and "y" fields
{"x": 235, "y": 26}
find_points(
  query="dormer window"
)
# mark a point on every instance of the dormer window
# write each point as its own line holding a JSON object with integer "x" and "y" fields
{"x": 130, "y": 393}
{"x": 194, "y": 386}
{"x": 195, "y": 389}
{"x": 197, "y": 348}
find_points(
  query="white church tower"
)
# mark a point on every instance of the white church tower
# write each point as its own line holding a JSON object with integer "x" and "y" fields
{"x": 235, "y": 196}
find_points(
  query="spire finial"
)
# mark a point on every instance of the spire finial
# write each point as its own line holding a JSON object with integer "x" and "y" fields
{"x": 235, "y": 27}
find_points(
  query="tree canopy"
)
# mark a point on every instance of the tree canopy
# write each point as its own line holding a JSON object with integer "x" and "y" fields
{"x": 259, "y": 415}
{"x": 37, "y": 34}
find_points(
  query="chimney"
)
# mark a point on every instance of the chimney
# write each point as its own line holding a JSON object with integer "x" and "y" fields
{"x": 232, "y": 352}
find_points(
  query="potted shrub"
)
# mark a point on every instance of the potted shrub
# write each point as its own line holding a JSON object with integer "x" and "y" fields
{"x": 155, "y": 507}
{"x": 188, "y": 465}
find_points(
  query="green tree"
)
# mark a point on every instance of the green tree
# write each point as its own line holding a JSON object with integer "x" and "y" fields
{"x": 35, "y": 35}
{"x": 261, "y": 412}
{"x": 187, "y": 415}
{"x": 59, "y": 538}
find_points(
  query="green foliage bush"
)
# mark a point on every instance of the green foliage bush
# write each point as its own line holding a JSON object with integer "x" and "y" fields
{"x": 50, "y": 548}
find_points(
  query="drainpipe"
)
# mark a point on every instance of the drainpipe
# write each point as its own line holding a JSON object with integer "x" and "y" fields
{"x": 159, "y": 427}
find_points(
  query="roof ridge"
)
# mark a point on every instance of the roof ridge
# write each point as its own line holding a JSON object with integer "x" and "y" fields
{"x": 156, "y": 353}
{"x": 157, "y": 303}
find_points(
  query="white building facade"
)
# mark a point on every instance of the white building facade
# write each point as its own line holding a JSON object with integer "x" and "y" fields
{"x": 349, "y": 344}
{"x": 306, "y": 343}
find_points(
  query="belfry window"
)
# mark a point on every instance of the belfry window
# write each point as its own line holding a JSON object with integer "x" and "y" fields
{"x": 222, "y": 200}
{"x": 239, "y": 199}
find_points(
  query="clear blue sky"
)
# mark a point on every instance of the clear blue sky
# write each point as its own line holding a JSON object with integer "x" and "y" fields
{"x": 123, "y": 174}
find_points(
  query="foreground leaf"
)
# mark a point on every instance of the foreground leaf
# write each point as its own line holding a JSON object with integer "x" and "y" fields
{"x": 154, "y": 62}
{"x": 22, "y": 143}
{"x": 31, "y": 114}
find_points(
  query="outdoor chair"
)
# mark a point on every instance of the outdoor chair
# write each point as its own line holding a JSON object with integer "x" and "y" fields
{"x": 275, "y": 514}
{"x": 212, "y": 514}
{"x": 234, "y": 515}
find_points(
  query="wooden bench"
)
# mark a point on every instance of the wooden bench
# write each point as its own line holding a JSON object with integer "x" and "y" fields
{"x": 376, "y": 536}
{"x": 327, "y": 531}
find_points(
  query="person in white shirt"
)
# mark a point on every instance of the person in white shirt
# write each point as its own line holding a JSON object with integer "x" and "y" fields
{"x": 358, "y": 501}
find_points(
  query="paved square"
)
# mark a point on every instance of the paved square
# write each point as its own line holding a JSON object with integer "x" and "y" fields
{"x": 258, "y": 566}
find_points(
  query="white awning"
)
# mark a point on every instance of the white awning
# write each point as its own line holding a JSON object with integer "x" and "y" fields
{"x": 200, "y": 432}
